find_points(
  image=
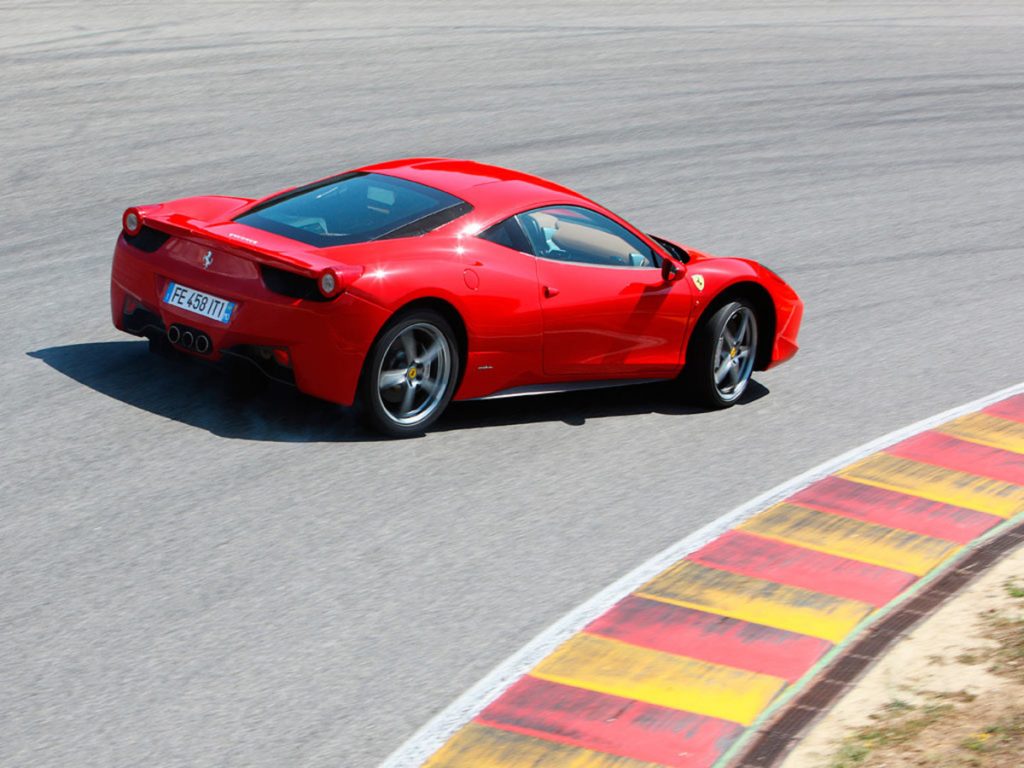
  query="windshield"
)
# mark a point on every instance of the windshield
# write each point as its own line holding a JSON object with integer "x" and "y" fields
{"x": 355, "y": 208}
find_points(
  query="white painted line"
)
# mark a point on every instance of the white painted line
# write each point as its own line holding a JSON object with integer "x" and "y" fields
{"x": 432, "y": 736}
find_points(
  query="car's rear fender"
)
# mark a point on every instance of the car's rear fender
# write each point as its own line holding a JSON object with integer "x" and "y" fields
{"x": 492, "y": 291}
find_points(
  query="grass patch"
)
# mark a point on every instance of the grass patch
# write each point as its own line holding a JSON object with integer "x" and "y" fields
{"x": 850, "y": 755}
{"x": 1004, "y": 738}
{"x": 1008, "y": 658}
{"x": 899, "y": 724}
{"x": 928, "y": 737}
{"x": 961, "y": 696}
{"x": 898, "y": 705}
{"x": 979, "y": 726}
{"x": 982, "y": 741}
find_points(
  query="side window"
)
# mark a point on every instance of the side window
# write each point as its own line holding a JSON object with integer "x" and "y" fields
{"x": 569, "y": 233}
{"x": 509, "y": 234}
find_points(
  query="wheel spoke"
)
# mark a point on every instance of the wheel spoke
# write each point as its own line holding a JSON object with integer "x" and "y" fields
{"x": 722, "y": 371}
{"x": 432, "y": 351}
{"x": 734, "y": 374}
{"x": 409, "y": 346}
{"x": 408, "y": 398}
{"x": 389, "y": 379}
{"x": 722, "y": 351}
{"x": 741, "y": 333}
{"x": 729, "y": 338}
{"x": 428, "y": 386}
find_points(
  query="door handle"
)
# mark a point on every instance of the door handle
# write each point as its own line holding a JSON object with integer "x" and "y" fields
{"x": 550, "y": 292}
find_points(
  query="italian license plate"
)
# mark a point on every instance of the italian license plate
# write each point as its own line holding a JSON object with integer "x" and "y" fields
{"x": 204, "y": 304}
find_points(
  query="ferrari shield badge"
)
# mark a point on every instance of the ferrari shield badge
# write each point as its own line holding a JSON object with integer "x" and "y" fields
{"x": 698, "y": 280}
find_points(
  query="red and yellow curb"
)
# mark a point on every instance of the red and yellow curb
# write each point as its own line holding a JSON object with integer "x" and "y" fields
{"x": 675, "y": 672}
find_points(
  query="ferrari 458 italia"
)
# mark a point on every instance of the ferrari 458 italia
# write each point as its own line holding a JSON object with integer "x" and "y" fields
{"x": 404, "y": 285}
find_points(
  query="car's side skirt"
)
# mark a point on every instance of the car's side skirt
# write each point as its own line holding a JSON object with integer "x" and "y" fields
{"x": 569, "y": 386}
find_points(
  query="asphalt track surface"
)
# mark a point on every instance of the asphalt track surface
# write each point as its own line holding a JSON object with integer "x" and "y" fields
{"x": 192, "y": 580}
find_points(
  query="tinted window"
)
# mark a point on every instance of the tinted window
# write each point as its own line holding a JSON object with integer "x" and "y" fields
{"x": 355, "y": 208}
{"x": 671, "y": 247}
{"x": 509, "y": 234}
{"x": 568, "y": 233}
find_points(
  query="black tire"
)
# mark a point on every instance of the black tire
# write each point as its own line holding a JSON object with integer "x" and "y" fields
{"x": 431, "y": 375}
{"x": 717, "y": 371}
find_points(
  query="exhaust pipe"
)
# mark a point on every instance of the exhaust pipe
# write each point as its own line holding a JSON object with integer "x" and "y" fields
{"x": 189, "y": 338}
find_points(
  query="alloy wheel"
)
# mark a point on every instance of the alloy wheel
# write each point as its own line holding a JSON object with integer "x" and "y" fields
{"x": 414, "y": 373}
{"x": 734, "y": 353}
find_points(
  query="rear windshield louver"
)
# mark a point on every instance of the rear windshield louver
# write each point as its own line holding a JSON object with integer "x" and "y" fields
{"x": 148, "y": 240}
{"x": 291, "y": 284}
{"x": 429, "y": 223}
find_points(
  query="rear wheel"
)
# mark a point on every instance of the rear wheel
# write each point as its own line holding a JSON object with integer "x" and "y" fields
{"x": 722, "y": 356}
{"x": 410, "y": 374}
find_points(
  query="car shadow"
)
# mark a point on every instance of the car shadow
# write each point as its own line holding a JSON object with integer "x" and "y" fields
{"x": 197, "y": 393}
{"x": 192, "y": 392}
{"x": 575, "y": 408}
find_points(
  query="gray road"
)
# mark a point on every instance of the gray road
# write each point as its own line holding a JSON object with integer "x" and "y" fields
{"x": 188, "y": 580}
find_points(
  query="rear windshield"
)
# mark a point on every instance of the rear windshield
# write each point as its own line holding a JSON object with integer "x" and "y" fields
{"x": 355, "y": 208}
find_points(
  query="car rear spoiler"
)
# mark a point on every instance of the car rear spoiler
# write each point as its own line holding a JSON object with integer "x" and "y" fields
{"x": 224, "y": 235}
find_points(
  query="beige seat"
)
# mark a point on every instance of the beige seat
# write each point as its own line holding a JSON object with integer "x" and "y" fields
{"x": 600, "y": 247}
{"x": 606, "y": 247}
{"x": 544, "y": 220}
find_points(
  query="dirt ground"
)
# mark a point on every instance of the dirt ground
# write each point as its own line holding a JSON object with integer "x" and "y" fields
{"x": 950, "y": 694}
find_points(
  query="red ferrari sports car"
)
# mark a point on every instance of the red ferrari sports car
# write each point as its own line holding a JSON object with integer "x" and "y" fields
{"x": 403, "y": 285}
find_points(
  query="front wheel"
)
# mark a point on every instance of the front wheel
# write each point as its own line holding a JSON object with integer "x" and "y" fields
{"x": 723, "y": 355}
{"x": 410, "y": 374}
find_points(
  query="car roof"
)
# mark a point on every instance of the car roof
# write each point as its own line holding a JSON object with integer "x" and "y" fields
{"x": 479, "y": 184}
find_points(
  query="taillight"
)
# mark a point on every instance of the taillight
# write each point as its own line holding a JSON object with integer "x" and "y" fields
{"x": 131, "y": 222}
{"x": 329, "y": 283}
{"x": 336, "y": 280}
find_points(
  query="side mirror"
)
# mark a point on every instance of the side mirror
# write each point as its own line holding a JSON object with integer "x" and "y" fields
{"x": 669, "y": 270}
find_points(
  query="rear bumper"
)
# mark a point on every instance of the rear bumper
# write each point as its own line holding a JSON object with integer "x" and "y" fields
{"x": 326, "y": 341}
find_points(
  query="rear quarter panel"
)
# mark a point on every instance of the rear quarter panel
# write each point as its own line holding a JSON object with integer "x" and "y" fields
{"x": 493, "y": 289}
